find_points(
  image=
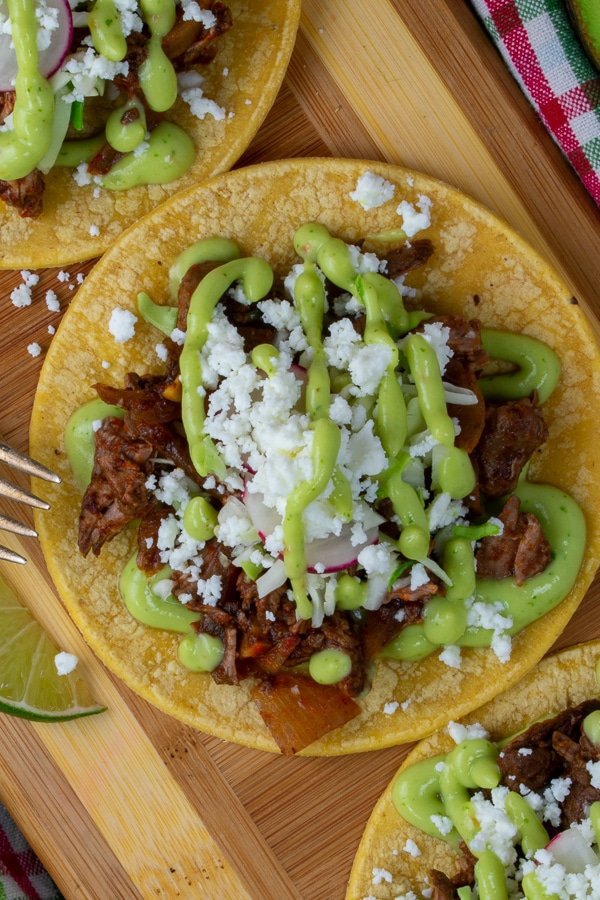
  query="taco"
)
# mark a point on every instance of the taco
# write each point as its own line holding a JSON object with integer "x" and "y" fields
{"x": 130, "y": 106}
{"x": 340, "y": 590}
{"x": 506, "y": 803}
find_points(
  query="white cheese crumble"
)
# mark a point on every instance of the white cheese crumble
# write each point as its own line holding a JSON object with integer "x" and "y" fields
{"x": 161, "y": 352}
{"x": 85, "y": 70}
{"x": 122, "y": 325}
{"x": 594, "y": 770}
{"x": 21, "y": 296}
{"x": 34, "y": 349}
{"x": 442, "y": 823}
{"x": 450, "y": 656}
{"x": 460, "y": 733}
{"x": 94, "y": 231}
{"x": 372, "y": 191}
{"x": 411, "y": 848}
{"x": 65, "y": 663}
{"x": 390, "y": 708}
{"x": 380, "y": 875}
{"x": 194, "y": 13}
{"x": 418, "y": 576}
{"x": 52, "y": 301}
{"x": 437, "y": 335}
{"x": 415, "y": 219}
{"x": 492, "y": 616}
{"x": 200, "y": 106}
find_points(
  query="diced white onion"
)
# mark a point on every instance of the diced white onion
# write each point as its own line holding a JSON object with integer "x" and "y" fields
{"x": 459, "y": 396}
{"x": 272, "y": 579}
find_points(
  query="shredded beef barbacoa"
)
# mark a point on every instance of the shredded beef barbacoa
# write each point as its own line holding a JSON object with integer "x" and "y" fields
{"x": 521, "y": 550}
{"x": 262, "y": 637}
{"x": 187, "y": 44}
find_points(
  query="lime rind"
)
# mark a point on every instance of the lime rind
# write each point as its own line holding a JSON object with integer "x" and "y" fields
{"x": 30, "y": 686}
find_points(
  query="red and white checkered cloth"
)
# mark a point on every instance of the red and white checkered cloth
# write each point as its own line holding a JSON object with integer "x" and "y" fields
{"x": 538, "y": 42}
{"x": 22, "y": 875}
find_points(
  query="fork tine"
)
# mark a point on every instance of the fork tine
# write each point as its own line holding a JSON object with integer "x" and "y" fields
{"x": 21, "y": 496}
{"x": 8, "y": 524}
{"x": 25, "y": 464}
{"x": 11, "y": 556}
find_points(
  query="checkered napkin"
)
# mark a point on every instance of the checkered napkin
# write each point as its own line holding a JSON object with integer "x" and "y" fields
{"x": 538, "y": 42}
{"x": 21, "y": 873}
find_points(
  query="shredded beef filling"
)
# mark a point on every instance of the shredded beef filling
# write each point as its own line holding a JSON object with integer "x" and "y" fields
{"x": 117, "y": 493}
{"x": 560, "y": 749}
{"x": 513, "y": 431}
{"x": 521, "y": 550}
{"x": 25, "y": 194}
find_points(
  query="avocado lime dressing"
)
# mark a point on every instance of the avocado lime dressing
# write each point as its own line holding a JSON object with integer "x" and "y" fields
{"x": 79, "y": 437}
{"x": 538, "y": 367}
{"x": 26, "y": 145}
{"x": 436, "y": 791}
{"x": 160, "y": 157}
{"x": 147, "y": 607}
{"x": 564, "y": 526}
{"x": 157, "y": 75}
{"x": 168, "y": 155}
{"x": 126, "y": 126}
{"x": 104, "y": 23}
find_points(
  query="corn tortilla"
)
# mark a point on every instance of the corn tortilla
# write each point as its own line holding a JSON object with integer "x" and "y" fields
{"x": 560, "y": 681}
{"x": 480, "y": 268}
{"x": 256, "y": 50}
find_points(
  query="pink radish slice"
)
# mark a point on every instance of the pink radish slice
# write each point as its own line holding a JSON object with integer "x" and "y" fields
{"x": 299, "y": 371}
{"x": 571, "y": 850}
{"x": 50, "y": 59}
{"x": 337, "y": 553}
{"x": 263, "y": 517}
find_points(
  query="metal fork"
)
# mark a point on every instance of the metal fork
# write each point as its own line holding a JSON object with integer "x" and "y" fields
{"x": 11, "y": 491}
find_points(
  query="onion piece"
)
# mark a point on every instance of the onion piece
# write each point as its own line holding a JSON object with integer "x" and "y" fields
{"x": 264, "y": 519}
{"x": 571, "y": 850}
{"x": 459, "y": 396}
{"x": 50, "y": 59}
{"x": 272, "y": 579}
{"x": 60, "y": 126}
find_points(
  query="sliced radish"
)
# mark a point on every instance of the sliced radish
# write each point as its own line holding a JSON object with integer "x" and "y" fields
{"x": 337, "y": 552}
{"x": 299, "y": 371}
{"x": 272, "y": 579}
{"x": 264, "y": 519}
{"x": 50, "y": 59}
{"x": 571, "y": 850}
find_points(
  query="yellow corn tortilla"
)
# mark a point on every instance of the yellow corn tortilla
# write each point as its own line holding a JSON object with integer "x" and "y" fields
{"x": 560, "y": 681}
{"x": 256, "y": 50}
{"x": 261, "y": 207}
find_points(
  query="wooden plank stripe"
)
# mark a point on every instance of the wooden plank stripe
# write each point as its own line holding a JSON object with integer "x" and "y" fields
{"x": 325, "y": 105}
{"x": 44, "y": 805}
{"x": 120, "y": 778}
{"x": 460, "y": 51}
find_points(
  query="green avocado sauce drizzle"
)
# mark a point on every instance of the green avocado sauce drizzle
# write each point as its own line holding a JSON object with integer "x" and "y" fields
{"x": 396, "y": 419}
{"x": 160, "y": 157}
{"x": 440, "y": 786}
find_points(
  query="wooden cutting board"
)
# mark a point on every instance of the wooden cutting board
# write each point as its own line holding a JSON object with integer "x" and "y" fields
{"x": 131, "y": 803}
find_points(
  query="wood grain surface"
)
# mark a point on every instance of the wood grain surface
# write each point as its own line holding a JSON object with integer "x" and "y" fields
{"x": 131, "y": 803}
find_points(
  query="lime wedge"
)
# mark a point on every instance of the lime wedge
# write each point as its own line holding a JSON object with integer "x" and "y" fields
{"x": 30, "y": 686}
